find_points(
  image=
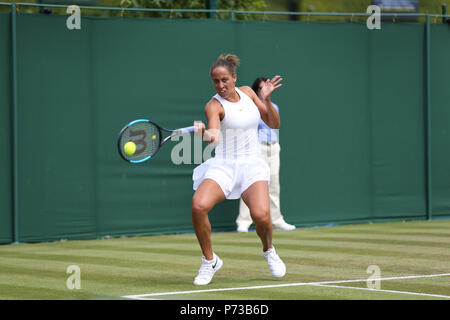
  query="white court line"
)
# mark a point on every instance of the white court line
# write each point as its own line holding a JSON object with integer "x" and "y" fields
{"x": 144, "y": 296}
{"x": 382, "y": 290}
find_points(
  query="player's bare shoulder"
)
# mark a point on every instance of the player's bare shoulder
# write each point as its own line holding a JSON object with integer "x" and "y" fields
{"x": 214, "y": 107}
{"x": 248, "y": 91}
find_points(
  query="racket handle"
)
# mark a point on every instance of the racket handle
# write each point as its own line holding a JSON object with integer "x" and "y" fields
{"x": 183, "y": 130}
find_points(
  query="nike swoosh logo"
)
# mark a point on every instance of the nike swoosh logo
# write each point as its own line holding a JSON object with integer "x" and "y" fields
{"x": 215, "y": 264}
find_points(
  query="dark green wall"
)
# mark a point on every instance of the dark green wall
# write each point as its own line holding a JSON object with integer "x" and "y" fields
{"x": 352, "y": 118}
{"x": 352, "y": 110}
{"x": 5, "y": 131}
{"x": 440, "y": 119}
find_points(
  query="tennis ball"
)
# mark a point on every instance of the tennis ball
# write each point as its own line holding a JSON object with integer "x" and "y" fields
{"x": 129, "y": 148}
{"x": 153, "y": 137}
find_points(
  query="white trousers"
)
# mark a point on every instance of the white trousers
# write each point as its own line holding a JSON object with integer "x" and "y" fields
{"x": 271, "y": 154}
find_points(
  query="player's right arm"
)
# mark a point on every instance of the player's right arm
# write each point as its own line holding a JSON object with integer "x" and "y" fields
{"x": 214, "y": 113}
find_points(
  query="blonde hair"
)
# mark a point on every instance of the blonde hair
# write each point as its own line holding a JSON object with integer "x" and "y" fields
{"x": 229, "y": 61}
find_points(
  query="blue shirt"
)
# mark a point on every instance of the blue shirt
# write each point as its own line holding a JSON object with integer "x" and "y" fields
{"x": 265, "y": 133}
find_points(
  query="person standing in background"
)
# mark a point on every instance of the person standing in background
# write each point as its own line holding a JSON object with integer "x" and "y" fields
{"x": 270, "y": 152}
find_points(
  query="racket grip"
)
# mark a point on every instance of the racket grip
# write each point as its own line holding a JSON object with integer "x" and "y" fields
{"x": 184, "y": 130}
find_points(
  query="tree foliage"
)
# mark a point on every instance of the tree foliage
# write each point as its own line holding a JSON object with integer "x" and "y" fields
{"x": 236, "y": 5}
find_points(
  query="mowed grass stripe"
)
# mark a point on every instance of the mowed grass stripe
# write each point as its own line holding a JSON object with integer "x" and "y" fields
{"x": 370, "y": 248}
{"x": 92, "y": 285}
{"x": 436, "y": 286}
{"x": 247, "y": 257}
{"x": 300, "y": 293}
{"x": 18, "y": 292}
{"x": 285, "y": 293}
{"x": 404, "y": 257}
{"x": 122, "y": 266}
{"x": 439, "y": 286}
{"x": 50, "y": 268}
{"x": 411, "y": 241}
{"x": 386, "y": 251}
{"x": 85, "y": 254}
{"x": 126, "y": 261}
{"x": 152, "y": 268}
{"x": 298, "y": 237}
{"x": 122, "y": 258}
{"x": 259, "y": 268}
{"x": 376, "y": 234}
{"x": 95, "y": 277}
{"x": 436, "y": 228}
{"x": 36, "y": 280}
{"x": 356, "y": 246}
{"x": 412, "y": 232}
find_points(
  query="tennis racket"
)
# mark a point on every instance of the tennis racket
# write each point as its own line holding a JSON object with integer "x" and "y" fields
{"x": 147, "y": 137}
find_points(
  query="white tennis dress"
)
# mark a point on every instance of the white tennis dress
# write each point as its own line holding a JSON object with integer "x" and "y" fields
{"x": 237, "y": 163}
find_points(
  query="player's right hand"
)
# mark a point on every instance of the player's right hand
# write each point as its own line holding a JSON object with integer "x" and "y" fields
{"x": 199, "y": 128}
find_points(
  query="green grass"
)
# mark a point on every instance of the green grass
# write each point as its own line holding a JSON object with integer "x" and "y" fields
{"x": 112, "y": 268}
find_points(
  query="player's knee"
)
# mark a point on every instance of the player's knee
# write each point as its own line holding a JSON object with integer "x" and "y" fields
{"x": 199, "y": 207}
{"x": 261, "y": 216}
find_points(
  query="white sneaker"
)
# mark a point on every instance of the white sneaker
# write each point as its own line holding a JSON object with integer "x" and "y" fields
{"x": 207, "y": 270}
{"x": 276, "y": 265}
{"x": 284, "y": 226}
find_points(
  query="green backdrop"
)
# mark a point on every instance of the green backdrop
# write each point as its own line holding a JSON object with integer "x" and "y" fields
{"x": 440, "y": 119}
{"x": 352, "y": 111}
{"x": 6, "y": 227}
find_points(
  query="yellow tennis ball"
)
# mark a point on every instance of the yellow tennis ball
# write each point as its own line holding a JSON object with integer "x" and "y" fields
{"x": 153, "y": 137}
{"x": 129, "y": 148}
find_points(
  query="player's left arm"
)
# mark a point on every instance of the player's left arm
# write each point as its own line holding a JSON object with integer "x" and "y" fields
{"x": 268, "y": 113}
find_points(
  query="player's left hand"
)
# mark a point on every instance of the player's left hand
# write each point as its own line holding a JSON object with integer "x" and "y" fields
{"x": 270, "y": 86}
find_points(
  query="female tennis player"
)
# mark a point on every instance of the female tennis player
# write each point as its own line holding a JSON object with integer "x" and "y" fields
{"x": 236, "y": 171}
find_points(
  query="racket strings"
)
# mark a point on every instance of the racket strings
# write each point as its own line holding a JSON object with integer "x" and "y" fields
{"x": 146, "y": 137}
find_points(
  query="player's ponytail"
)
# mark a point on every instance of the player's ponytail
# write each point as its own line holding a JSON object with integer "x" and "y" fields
{"x": 229, "y": 61}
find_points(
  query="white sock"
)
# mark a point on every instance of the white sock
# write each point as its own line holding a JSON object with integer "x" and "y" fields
{"x": 213, "y": 259}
